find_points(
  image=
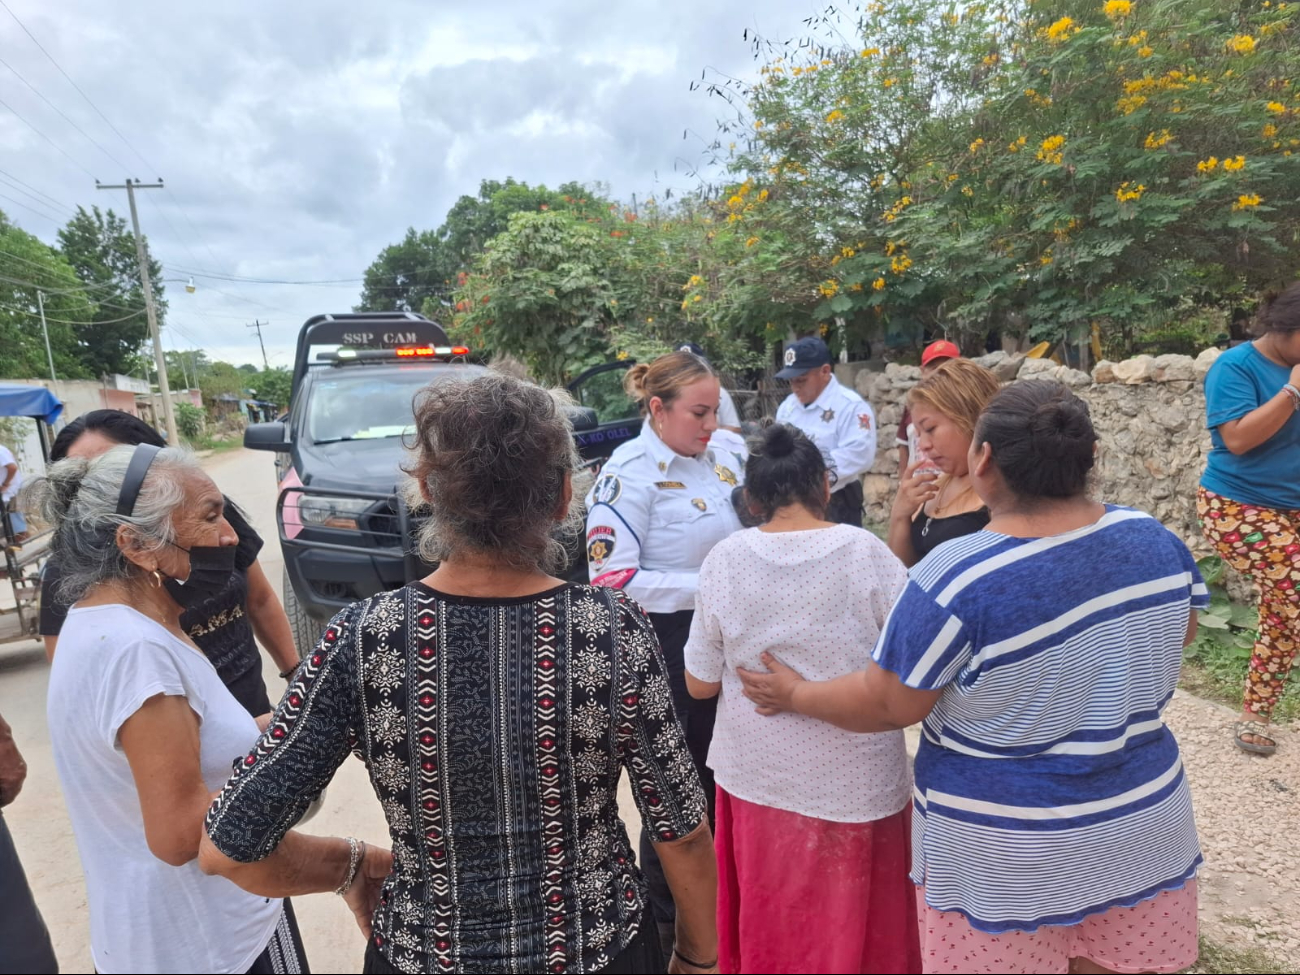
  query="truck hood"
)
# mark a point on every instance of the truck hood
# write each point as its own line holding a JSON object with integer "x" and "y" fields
{"x": 364, "y": 465}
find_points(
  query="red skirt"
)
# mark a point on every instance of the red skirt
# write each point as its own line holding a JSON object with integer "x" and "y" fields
{"x": 797, "y": 894}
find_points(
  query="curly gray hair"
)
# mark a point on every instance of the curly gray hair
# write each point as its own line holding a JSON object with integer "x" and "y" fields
{"x": 79, "y": 498}
{"x": 492, "y": 454}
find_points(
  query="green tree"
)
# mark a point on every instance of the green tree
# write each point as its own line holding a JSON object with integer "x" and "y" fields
{"x": 102, "y": 252}
{"x": 222, "y": 379}
{"x": 272, "y": 385}
{"x": 28, "y": 266}
{"x": 406, "y": 274}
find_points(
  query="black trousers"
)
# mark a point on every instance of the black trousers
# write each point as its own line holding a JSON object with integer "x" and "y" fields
{"x": 846, "y": 505}
{"x": 696, "y": 718}
{"x": 24, "y": 942}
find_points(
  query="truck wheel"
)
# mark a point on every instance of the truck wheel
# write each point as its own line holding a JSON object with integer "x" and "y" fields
{"x": 306, "y": 628}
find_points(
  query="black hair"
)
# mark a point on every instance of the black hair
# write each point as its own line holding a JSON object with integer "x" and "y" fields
{"x": 784, "y": 468}
{"x": 1280, "y": 312}
{"x": 116, "y": 425}
{"x": 1042, "y": 438}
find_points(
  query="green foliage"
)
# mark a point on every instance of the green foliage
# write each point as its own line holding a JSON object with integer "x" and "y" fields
{"x": 272, "y": 385}
{"x": 191, "y": 421}
{"x": 222, "y": 379}
{"x": 23, "y": 258}
{"x": 102, "y": 252}
{"x": 1039, "y": 168}
{"x": 421, "y": 270}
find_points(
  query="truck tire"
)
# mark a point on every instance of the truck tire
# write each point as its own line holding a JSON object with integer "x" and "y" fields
{"x": 306, "y": 628}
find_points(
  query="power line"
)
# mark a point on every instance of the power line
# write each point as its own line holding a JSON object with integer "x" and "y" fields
{"x": 73, "y": 84}
{"x": 19, "y": 189}
{"x": 90, "y": 138}
{"x": 14, "y": 179}
{"x": 198, "y": 273}
{"x": 28, "y": 206}
{"x": 44, "y": 136}
{"x": 65, "y": 321}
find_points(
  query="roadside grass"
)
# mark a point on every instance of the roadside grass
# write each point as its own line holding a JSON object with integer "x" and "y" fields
{"x": 1221, "y": 958}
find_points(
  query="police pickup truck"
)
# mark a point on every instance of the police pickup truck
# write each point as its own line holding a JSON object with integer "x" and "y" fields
{"x": 345, "y": 529}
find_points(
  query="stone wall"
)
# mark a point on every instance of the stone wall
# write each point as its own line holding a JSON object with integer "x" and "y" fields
{"x": 1149, "y": 413}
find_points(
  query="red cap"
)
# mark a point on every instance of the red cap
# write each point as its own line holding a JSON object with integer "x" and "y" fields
{"x": 943, "y": 349}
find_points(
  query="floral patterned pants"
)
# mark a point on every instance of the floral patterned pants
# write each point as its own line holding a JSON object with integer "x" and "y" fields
{"x": 1263, "y": 544}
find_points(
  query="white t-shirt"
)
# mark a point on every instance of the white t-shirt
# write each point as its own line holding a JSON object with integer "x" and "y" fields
{"x": 6, "y": 458}
{"x": 817, "y": 600}
{"x": 727, "y": 415}
{"x": 146, "y": 916}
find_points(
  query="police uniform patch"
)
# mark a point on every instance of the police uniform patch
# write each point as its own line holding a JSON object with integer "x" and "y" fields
{"x": 607, "y": 490}
{"x": 699, "y": 503}
{"x": 790, "y": 356}
{"x": 725, "y": 475}
{"x": 665, "y": 485}
{"x": 600, "y": 545}
{"x": 828, "y": 415}
{"x": 864, "y": 421}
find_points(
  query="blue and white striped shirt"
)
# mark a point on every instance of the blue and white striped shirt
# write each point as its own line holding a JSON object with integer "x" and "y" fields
{"x": 1048, "y": 788}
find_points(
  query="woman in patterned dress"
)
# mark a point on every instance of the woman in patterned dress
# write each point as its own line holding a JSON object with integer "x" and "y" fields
{"x": 494, "y": 706}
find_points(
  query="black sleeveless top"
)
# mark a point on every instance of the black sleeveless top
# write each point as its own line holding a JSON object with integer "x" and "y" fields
{"x": 929, "y": 533}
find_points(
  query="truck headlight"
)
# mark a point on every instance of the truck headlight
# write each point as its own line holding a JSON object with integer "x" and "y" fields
{"x": 328, "y": 512}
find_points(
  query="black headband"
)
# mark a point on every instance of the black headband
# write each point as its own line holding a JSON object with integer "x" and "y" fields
{"x": 135, "y": 475}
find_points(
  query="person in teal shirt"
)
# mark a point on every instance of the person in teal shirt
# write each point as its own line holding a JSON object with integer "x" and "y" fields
{"x": 1249, "y": 498}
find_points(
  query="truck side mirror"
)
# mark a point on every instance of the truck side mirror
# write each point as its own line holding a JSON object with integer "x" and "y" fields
{"x": 267, "y": 436}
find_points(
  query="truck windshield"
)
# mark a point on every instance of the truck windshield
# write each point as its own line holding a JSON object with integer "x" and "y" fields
{"x": 363, "y": 404}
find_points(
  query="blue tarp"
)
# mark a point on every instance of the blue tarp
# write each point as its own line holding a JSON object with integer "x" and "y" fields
{"x": 33, "y": 401}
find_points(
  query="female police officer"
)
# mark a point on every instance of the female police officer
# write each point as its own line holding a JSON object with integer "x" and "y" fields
{"x": 661, "y": 503}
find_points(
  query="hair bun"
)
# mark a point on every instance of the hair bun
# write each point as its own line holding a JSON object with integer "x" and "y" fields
{"x": 634, "y": 381}
{"x": 55, "y": 492}
{"x": 1058, "y": 425}
{"x": 777, "y": 441}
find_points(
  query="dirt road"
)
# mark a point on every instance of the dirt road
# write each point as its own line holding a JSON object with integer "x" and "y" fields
{"x": 1247, "y": 809}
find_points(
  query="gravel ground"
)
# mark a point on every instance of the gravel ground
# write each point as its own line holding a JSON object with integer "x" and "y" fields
{"x": 1248, "y": 815}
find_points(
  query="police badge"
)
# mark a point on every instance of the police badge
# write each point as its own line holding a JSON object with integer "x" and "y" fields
{"x": 725, "y": 475}
{"x": 790, "y": 356}
{"x": 828, "y": 415}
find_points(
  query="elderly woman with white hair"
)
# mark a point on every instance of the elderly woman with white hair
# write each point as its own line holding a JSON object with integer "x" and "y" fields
{"x": 143, "y": 729}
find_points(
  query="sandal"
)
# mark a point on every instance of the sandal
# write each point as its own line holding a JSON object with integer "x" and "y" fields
{"x": 1257, "y": 729}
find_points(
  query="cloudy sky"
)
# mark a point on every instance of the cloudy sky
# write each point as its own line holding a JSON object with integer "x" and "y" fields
{"x": 298, "y": 138}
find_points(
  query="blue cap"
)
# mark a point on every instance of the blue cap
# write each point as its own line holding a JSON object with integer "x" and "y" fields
{"x": 804, "y": 355}
{"x": 692, "y": 348}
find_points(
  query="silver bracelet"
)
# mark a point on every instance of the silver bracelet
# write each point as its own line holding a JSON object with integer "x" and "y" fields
{"x": 1294, "y": 393}
{"x": 355, "y": 850}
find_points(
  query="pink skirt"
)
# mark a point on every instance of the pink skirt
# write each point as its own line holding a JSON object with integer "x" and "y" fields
{"x": 1157, "y": 935}
{"x": 797, "y": 894}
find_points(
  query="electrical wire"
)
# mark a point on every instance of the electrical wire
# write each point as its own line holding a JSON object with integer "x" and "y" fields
{"x": 12, "y": 178}
{"x": 28, "y": 206}
{"x": 46, "y": 137}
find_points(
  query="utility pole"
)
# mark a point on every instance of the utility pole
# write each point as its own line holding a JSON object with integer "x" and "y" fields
{"x": 258, "y": 325}
{"x": 40, "y": 303}
{"x": 169, "y": 411}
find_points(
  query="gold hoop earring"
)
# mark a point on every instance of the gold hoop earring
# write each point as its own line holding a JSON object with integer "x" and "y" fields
{"x": 157, "y": 579}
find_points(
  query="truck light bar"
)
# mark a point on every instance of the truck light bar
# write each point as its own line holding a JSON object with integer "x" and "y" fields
{"x": 402, "y": 352}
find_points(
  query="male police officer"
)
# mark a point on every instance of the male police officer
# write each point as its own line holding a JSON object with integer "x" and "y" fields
{"x": 838, "y": 420}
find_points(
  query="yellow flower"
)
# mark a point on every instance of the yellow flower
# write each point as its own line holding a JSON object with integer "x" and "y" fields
{"x": 878, "y": 284}
{"x": 623, "y": 355}
{"x": 751, "y": 241}
{"x": 1269, "y": 131}
{"x": 1277, "y": 108}
{"x": 1208, "y": 165}
{"x": 890, "y": 82}
{"x": 1018, "y": 144}
{"x": 829, "y": 288}
{"x": 1137, "y": 38}
{"x": 1124, "y": 194}
{"x": 990, "y": 60}
{"x": 847, "y": 252}
{"x": 758, "y": 124}
{"x": 1115, "y": 9}
{"x": 698, "y": 298}
{"x": 693, "y": 282}
{"x": 977, "y": 145}
{"x": 890, "y": 247}
{"x": 1233, "y": 165}
{"x": 953, "y": 177}
{"x": 834, "y": 116}
{"x": 1242, "y": 44}
{"x": 1051, "y": 150}
{"x": 1045, "y": 260}
{"x": 1156, "y": 141}
{"x": 1131, "y": 103}
{"x": 900, "y": 264}
{"x": 871, "y": 52}
{"x": 967, "y": 191}
{"x": 1247, "y": 200}
{"x": 1060, "y": 31}
{"x": 1145, "y": 51}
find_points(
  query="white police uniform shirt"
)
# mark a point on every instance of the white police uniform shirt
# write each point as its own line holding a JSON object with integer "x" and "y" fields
{"x": 727, "y": 415}
{"x": 842, "y": 425}
{"x": 652, "y": 517}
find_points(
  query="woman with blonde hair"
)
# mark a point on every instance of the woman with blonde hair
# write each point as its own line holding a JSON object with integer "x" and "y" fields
{"x": 931, "y": 508}
{"x": 662, "y": 502}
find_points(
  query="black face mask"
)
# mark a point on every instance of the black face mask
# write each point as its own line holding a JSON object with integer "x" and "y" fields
{"x": 210, "y": 570}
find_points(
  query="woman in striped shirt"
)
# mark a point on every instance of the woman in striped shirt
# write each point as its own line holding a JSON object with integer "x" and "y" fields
{"x": 1053, "y": 823}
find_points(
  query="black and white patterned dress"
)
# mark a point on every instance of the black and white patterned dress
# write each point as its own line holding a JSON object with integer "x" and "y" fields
{"x": 494, "y": 732}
